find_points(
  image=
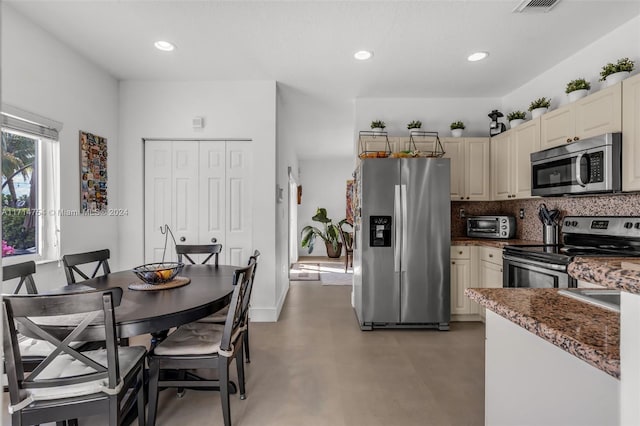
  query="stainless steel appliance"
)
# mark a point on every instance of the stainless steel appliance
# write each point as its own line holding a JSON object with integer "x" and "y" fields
{"x": 545, "y": 266}
{"x": 586, "y": 166}
{"x": 491, "y": 227}
{"x": 403, "y": 237}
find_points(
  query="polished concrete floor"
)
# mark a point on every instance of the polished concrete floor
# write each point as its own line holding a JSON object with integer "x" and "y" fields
{"x": 315, "y": 367}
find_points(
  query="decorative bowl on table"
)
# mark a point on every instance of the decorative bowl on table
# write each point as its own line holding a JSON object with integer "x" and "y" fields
{"x": 158, "y": 273}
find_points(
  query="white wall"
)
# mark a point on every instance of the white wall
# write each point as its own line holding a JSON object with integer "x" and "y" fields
{"x": 436, "y": 114}
{"x": 231, "y": 110}
{"x": 324, "y": 184}
{"x": 45, "y": 77}
{"x": 586, "y": 63}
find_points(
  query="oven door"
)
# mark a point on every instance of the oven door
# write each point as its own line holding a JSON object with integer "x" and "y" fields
{"x": 522, "y": 272}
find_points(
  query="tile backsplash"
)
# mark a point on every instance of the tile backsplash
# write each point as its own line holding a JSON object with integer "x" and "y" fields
{"x": 530, "y": 228}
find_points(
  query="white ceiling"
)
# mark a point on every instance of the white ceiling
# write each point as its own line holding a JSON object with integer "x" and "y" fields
{"x": 420, "y": 46}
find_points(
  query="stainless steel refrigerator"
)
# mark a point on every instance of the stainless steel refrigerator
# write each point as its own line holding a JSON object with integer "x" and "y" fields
{"x": 402, "y": 250}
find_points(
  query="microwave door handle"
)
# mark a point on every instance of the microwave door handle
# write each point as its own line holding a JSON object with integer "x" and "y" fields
{"x": 578, "y": 167}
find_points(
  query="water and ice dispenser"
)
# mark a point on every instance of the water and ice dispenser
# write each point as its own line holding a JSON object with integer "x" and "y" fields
{"x": 380, "y": 231}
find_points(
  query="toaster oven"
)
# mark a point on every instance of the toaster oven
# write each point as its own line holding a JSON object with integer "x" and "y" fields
{"x": 503, "y": 227}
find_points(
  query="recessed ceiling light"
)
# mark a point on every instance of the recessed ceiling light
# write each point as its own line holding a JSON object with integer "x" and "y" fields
{"x": 363, "y": 55}
{"x": 164, "y": 46}
{"x": 478, "y": 56}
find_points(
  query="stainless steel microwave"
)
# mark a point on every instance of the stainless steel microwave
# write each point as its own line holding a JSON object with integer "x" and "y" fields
{"x": 586, "y": 166}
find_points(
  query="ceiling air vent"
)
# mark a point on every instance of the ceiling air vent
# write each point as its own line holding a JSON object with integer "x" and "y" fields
{"x": 535, "y": 6}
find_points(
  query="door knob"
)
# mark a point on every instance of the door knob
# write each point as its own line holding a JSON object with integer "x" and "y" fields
{"x": 214, "y": 240}
{"x": 183, "y": 239}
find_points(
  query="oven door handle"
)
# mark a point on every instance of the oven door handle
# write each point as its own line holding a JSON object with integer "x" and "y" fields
{"x": 523, "y": 261}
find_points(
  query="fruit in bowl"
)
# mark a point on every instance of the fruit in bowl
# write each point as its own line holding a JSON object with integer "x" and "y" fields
{"x": 158, "y": 273}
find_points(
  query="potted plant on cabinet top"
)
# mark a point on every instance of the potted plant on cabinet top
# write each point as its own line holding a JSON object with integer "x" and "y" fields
{"x": 456, "y": 128}
{"x": 539, "y": 107}
{"x": 577, "y": 89}
{"x": 414, "y": 126}
{"x": 516, "y": 118}
{"x": 615, "y": 73}
{"x": 330, "y": 233}
{"x": 378, "y": 126}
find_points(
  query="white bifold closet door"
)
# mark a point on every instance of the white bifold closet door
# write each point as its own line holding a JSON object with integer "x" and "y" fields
{"x": 202, "y": 190}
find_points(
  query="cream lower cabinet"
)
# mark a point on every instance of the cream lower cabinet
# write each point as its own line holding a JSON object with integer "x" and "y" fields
{"x": 631, "y": 132}
{"x": 489, "y": 269}
{"x": 592, "y": 115}
{"x": 464, "y": 261}
{"x": 470, "y": 172}
{"x": 511, "y": 161}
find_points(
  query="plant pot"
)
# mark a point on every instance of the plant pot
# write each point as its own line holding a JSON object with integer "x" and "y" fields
{"x": 538, "y": 112}
{"x": 456, "y": 133}
{"x": 412, "y": 131}
{"x": 577, "y": 94}
{"x": 377, "y": 130}
{"x": 515, "y": 123}
{"x": 616, "y": 77}
{"x": 333, "y": 253}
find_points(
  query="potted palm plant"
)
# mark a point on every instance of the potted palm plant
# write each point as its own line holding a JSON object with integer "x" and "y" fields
{"x": 330, "y": 234}
{"x": 516, "y": 118}
{"x": 615, "y": 73}
{"x": 539, "y": 107}
{"x": 456, "y": 128}
{"x": 577, "y": 89}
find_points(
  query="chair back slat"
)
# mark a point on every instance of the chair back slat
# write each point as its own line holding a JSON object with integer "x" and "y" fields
{"x": 236, "y": 315}
{"x": 28, "y": 314}
{"x": 25, "y": 272}
{"x": 73, "y": 261}
{"x": 247, "y": 299}
{"x": 184, "y": 250}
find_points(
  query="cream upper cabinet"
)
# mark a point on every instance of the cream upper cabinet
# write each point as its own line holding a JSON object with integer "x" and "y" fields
{"x": 454, "y": 150}
{"x": 511, "y": 161}
{"x": 593, "y": 115}
{"x": 470, "y": 174}
{"x": 631, "y": 134}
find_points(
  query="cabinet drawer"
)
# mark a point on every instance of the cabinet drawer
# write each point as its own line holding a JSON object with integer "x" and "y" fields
{"x": 492, "y": 255}
{"x": 460, "y": 252}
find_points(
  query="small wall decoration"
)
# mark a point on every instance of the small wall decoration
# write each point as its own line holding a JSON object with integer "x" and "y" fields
{"x": 350, "y": 202}
{"x": 93, "y": 173}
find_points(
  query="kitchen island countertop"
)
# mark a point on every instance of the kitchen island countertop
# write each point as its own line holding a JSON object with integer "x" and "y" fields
{"x": 588, "y": 332}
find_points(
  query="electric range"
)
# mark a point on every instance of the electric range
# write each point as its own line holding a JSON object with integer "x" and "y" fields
{"x": 545, "y": 266}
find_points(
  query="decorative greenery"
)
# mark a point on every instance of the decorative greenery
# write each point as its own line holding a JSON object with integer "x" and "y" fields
{"x": 623, "y": 64}
{"x": 540, "y": 103}
{"x": 577, "y": 84}
{"x": 14, "y": 232}
{"x": 457, "y": 125}
{"x": 416, "y": 124}
{"x": 330, "y": 232}
{"x": 516, "y": 115}
{"x": 378, "y": 124}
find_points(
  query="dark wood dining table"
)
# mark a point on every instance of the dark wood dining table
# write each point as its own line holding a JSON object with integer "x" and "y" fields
{"x": 155, "y": 311}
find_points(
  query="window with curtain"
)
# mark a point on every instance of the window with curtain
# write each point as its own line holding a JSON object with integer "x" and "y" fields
{"x": 30, "y": 190}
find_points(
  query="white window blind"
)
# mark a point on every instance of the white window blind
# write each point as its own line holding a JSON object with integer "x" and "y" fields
{"x": 23, "y": 121}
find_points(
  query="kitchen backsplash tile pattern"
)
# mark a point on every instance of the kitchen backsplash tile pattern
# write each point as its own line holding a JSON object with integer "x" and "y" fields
{"x": 530, "y": 228}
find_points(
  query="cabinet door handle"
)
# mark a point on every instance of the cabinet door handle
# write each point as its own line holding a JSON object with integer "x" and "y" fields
{"x": 568, "y": 140}
{"x": 490, "y": 255}
{"x": 467, "y": 198}
{"x": 576, "y": 138}
{"x": 183, "y": 239}
{"x": 453, "y": 263}
{"x": 459, "y": 252}
{"x": 462, "y": 198}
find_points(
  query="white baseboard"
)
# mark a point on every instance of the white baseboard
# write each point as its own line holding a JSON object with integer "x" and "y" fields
{"x": 268, "y": 314}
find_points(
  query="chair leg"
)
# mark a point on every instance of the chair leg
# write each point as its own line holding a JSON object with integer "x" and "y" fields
{"x": 154, "y": 373}
{"x": 223, "y": 372}
{"x": 246, "y": 344}
{"x": 182, "y": 375}
{"x": 346, "y": 262}
{"x": 141, "y": 414}
{"x": 240, "y": 369}
{"x": 114, "y": 409}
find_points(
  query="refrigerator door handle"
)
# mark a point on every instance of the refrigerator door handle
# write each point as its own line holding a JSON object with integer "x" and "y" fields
{"x": 403, "y": 254}
{"x": 396, "y": 228}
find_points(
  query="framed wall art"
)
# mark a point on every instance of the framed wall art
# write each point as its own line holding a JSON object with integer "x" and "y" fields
{"x": 93, "y": 173}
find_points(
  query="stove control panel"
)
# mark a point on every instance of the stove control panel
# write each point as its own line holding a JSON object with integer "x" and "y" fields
{"x": 623, "y": 226}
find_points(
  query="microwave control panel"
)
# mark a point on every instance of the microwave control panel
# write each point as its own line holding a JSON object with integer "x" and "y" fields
{"x": 596, "y": 167}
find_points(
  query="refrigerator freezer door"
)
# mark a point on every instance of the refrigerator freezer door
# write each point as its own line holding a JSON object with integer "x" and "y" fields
{"x": 380, "y": 284}
{"x": 425, "y": 280}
